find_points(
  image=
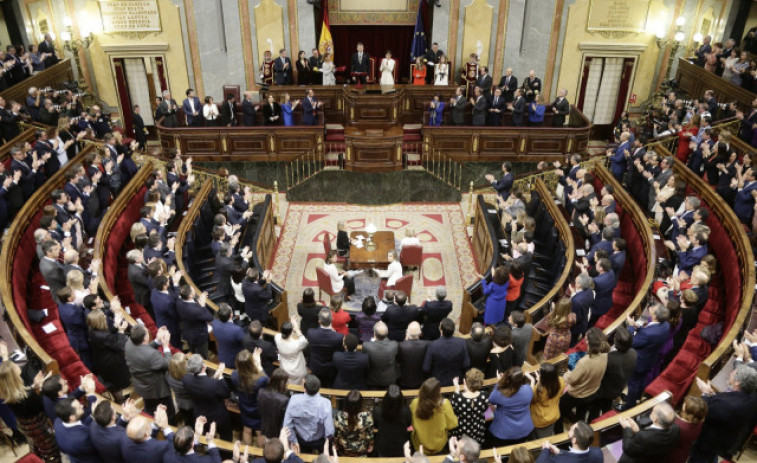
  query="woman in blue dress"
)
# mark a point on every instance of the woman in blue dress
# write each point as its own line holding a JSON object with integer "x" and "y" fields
{"x": 436, "y": 108}
{"x": 287, "y": 106}
{"x": 496, "y": 294}
{"x": 248, "y": 380}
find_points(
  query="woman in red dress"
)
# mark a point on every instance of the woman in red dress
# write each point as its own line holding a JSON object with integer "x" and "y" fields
{"x": 419, "y": 72}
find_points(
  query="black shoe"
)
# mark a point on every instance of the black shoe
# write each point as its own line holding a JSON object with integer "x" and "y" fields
{"x": 18, "y": 437}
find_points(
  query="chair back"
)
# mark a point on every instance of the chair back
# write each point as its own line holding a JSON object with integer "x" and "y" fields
{"x": 371, "y": 71}
{"x": 405, "y": 284}
{"x": 411, "y": 256}
{"x": 324, "y": 281}
{"x": 326, "y": 244}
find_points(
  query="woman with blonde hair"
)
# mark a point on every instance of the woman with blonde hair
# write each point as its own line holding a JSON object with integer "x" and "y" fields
{"x": 433, "y": 418}
{"x": 409, "y": 239}
{"x": 327, "y": 69}
{"x": 75, "y": 281}
{"x": 176, "y": 369}
{"x": 25, "y": 401}
{"x": 108, "y": 359}
{"x": 248, "y": 379}
{"x": 137, "y": 229}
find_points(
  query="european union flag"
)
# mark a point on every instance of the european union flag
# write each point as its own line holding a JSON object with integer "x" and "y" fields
{"x": 419, "y": 47}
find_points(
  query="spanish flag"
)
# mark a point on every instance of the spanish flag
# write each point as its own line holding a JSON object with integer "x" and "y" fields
{"x": 326, "y": 43}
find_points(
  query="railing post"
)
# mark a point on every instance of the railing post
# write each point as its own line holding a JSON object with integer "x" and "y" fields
{"x": 276, "y": 201}
{"x": 470, "y": 203}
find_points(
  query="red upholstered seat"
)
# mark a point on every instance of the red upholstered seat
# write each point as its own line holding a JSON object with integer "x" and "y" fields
{"x": 30, "y": 458}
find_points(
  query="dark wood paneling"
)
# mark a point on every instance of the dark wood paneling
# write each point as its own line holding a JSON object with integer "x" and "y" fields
{"x": 51, "y": 77}
{"x": 695, "y": 81}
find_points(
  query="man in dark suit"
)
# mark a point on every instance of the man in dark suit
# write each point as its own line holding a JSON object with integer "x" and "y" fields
{"x": 257, "y": 294}
{"x": 748, "y": 122}
{"x": 605, "y": 244}
{"x": 195, "y": 317}
{"x": 310, "y": 107}
{"x": 166, "y": 111}
{"x": 447, "y": 357}
{"x": 504, "y": 184}
{"x": 560, "y": 108}
{"x": 229, "y": 111}
{"x": 712, "y": 104}
{"x": 360, "y": 62}
{"x": 581, "y": 436}
{"x": 51, "y": 269}
{"x": 228, "y": 335}
{"x": 743, "y": 203}
{"x": 433, "y": 311}
{"x": 249, "y": 110}
{"x": 184, "y": 442}
{"x": 140, "y": 131}
{"x": 192, "y": 108}
{"x": 398, "y": 315}
{"x": 316, "y": 63}
{"x": 464, "y": 450}
{"x": 208, "y": 394}
{"x": 619, "y": 157}
{"x": 324, "y": 342}
{"x": 352, "y": 367}
{"x": 432, "y": 57}
{"x": 72, "y": 430}
{"x": 140, "y": 444}
{"x": 282, "y": 69}
{"x": 518, "y": 107}
{"x": 226, "y": 264}
{"x": 458, "y": 104}
{"x": 254, "y": 340}
{"x": 382, "y": 353}
{"x": 618, "y": 256}
{"x": 108, "y": 430}
{"x": 647, "y": 341}
{"x": 138, "y": 277}
{"x": 163, "y": 302}
{"x": 498, "y": 106}
{"x": 411, "y": 354}
{"x": 484, "y": 82}
{"x": 651, "y": 444}
{"x": 581, "y": 300}
{"x": 480, "y": 105}
{"x": 508, "y": 83}
{"x": 604, "y": 285}
{"x": 479, "y": 345}
{"x": 47, "y": 47}
{"x": 690, "y": 253}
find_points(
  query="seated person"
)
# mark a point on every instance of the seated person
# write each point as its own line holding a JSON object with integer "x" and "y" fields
{"x": 343, "y": 240}
{"x": 391, "y": 274}
{"x": 409, "y": 239}
{"x": 340, "y": 280}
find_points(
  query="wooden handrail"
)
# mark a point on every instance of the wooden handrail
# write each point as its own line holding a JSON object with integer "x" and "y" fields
{"x": 645, "y": 231}
{"x": 733, "y": 227}
{"x": 695, "y": 81}
{"x": 109, "y": 220}
{"x": 50, "y": 77}
{"x": 25, "y": 135}
{"x": 16, "y": 232}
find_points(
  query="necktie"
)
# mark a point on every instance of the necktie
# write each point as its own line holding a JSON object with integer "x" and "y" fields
{"x": 495, "y": 101}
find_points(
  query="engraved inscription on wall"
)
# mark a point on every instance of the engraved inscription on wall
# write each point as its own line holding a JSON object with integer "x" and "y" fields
{"x": 618, "y": 15}
{"x": 130, "y": 15}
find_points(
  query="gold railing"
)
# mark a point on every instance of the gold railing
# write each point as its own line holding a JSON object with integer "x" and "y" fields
{"x": 440, "y": 165}
{"x": 307, "y": 164}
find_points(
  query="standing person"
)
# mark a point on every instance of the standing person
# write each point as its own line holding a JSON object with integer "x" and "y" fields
{"x": 176, "y": 370}
{"x": 497, "y": 108}
{"x": 560, "y": 108}
{"x": 470, "y": 406}
{"x": 433, "y": 311}
{"x": 140, "y": 131}
{"x": 496, "y": 293}
{"x": 272, "y": 404}
{"x": 484, "y": 82}
{"x": 166, "y": 111}
{"x": 504, "y": 184}
{"x": 458, "y": 104}
{"x": 353, "y": 427}
{"x": 191, "y": 108}
{"x": 308, "y": 310}
{"x": 547, "y": 386}
{"x": 351, "y": 366}
{"x": 308, "y": 416}
{"x": 310, "y": 107}
{"x": 447, "y": 357}
{"x": 502, "y": 355}
{"x": 581, "y": 436}
{"x": 339, "y": 318}
{"x": 108, "y": 351}
{"x": 387, "y": 69}
{"x": 382, "y": 356}
{"x": 316, "y": 63}
{"x": 366, "y": 319}
{"x": 148, "y": 363}
{"x": 229, "y": 111}
{"x": 282, "y": 69}
{"x": 290, "y": 343}
{"x": 359, "y": 63}
{"x": 508, "y": 83}
{"x": 392, "y": 418}
{"x": 195, "y": 317}
{"x": 249, "y": 379}
{"x": 287, "y": 109}
{"x": 304, "y": 71}
{"x": 431, "y": 59}
{"x": 419, "y": 72}
{"x": 433, "y": 418}
{"x": 271, "y": 112}
{"x": 512, "y": 416}
{"x": 47, "y": 48}
{"x": 518, "y": 107}
{"x": 690, "y": 422}
{"x": 436, "y": 110}
{"x": 257, "y": 294}
{"x": 249, "y": 110}
{"x": 653, "y": 443}
{"x": 209, "y": 394}
{"x": 327, "y": 70}
{"x": 210, "y": 112}
{"x": 266, "y": 68}
{"x": 480, "y": 105}
{"x": 441, "y": 72}
{"x": 324, "y": 342}
{"x": 647, "y": 341}
{"x": 536, "y": 111}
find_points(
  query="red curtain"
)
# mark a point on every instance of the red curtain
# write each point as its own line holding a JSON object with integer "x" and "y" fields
{"x": 161, "y": 74}
{"x": 124, "y": 99}
{"x": 584, "y": 79}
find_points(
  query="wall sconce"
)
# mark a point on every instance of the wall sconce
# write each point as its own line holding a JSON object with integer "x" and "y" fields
{"x": 675, "y": 44}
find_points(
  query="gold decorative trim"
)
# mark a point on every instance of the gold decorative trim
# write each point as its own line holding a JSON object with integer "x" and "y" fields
{"x": 613, "y": 35}
{"x": 570, "y": 145}
{"x": 349, "y": 152}
{"x": 272, "y": 143}
{"x": 223, "y": 145}
{"x": 522, "y": 145}
{"x": 177, "y": 141}
{"x": 339, "y": 104}
{"x": 475, "y": 143}
{"x": 132, "y": 35}
{"x": 407, "y": 104}
{"x": 352, "y": 114}
{"x": 399, "y": 153}
{"x": 394, "y": 112}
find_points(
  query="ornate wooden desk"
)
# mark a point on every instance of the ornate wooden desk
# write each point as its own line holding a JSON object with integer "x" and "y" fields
{"x": 374, "y": 105}
{"x": 373, "y": 149}
{"x": 363, "y": 258}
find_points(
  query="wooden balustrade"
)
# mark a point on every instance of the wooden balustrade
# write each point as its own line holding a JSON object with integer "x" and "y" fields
{"x": 16, "y": 232}
{"x": 50, "y": 77}
{"x": 695, "y": 81}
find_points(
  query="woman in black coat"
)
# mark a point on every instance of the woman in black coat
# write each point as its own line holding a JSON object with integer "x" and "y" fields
{"x": 308, "y": 311}
{"x": 271, "y": 112}
{"x": 108, "y": 351}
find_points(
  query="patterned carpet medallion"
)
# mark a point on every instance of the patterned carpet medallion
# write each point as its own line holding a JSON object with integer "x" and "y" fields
{"x": 447, "y": 257}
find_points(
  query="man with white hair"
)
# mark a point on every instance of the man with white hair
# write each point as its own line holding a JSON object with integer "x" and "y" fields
{"x": 47, "y": 47}
{"x": 654, "y": 442}
{"x": 166, "y": 111}
{"x": 560, "y": 108}
{"x": 382, "y": 353}
{"x": 412, "y": 352}
{"x": 33, "y": 102}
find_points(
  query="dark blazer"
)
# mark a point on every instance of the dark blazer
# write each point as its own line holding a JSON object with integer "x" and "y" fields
{"x": 224, "y": 268}
{"x": 647, "y": 341}
{"x": 323, "y": 344}
{"x": 309, "y": 111}
{"x": 412, "y": 352}
{"x": 44, "y": 47}
{"x": 509, "y": 92}
{"x": 648, "y": 445}
{"x": 75, "y": 442}
{"x": 248, "y": 113}
{"x": 256, "y": 298}
{"x": 580, "y": 304}
{"x": 229, "y": 341}
{"x": 728, "y": 415}
{"x": 458, "y": 111}
{"x": 620, "y": 366}
{"x": 138, "y": 278}
{"x": 519, "y": 110}
{"x": 208, "y": 395}
{"x": 691, "y": 257}
{"x": 148, "y": 366}
{"x": 195, "y": 319}
{"x": 397, "y": 318}
{"x": 561, "y": 109}
{"x": 108, "y": 358}
{"x": 383, "y": 357}
{"x": 479, "y": 110}
{"x": 445, "y": 359}
{"x": 292, "y": 458}
{"x": 617, "y": 261}
{"x": 357, "y": 65}
{"x": 270, "y": 111}
{"x": 164, "y": 308}
{"x": 432, "y": 313}
{"x": 107, "y": 441}
{"x": 228, "y": 113}
{"x": 309, "y": 316}
{"x": 504, "y": 185}
{"x": 485, "y": 84}
{"x": 52, "y": 272}
{"x": 269, "y": 354}
{"x": 185, "y": 106}
{"x": 478, "y": 352}
{"x": 594, "y": 456}
{"x": 351, "y": 370}
{"x": 495, "y": 118}
{"x": 282, "y": 76}
{"x": 213, "y": 456}
{"x": 149, "y": 451}
{"x": 272, "y": 406}
{"x": 604, "y": 285}
{"x": 601, "y": 245}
